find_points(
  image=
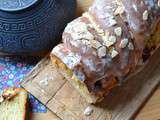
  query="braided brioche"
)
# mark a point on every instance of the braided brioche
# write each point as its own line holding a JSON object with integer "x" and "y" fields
{"x": 107, "y": 43}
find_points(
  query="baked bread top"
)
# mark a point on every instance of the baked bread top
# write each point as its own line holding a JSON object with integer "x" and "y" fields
{"x": 108, "y": 41}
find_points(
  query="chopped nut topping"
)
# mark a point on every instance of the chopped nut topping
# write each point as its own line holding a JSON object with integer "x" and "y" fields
{"x": 85, "y": 34}
{"x": 106, "y": 33}
{"x": 86, "y": 42}
{"x": 118, "y": 31}
{"x": 119, "y": 10}
{"x": 102, "y": 16}
{"x": 112, "y": 38}
{"x": 94, "y": 25}
{"x": 105, "y": 38}
{"x": 1, "y": 98}
{"x": 75, "y": 43}
{"x": 135, "y": 7}
{"x": 145, "y": 15}
{"x": 119, "y": 2}
{"x": 109, "y": 41}
{"x": 88, "y": 36}
{"x": 95, "y": 44}
{"x": 80, "y": 27}
{"x": 89, "y": 25}
{"x": 102, "y": 51}
{"x": 88, "y": 111}
{"x": 112, "y": 22}
{"x": 71, "y": 60}
{"x": 130, "y": 46}
{"x": 123, "y": 43}
{"x": 114, "y": 53}
{"x": 100, "y": 31}
{"x": 79, "y": 30}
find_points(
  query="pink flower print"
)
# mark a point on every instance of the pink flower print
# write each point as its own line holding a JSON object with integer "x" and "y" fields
{"x": 1, "y": 68}
{"x": 5, "y": 78}
{"x": 19, "y": 64}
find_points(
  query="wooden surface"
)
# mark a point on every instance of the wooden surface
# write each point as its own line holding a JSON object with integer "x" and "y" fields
{"x": 122, "y": 104}
{"x": 150, "y": 111}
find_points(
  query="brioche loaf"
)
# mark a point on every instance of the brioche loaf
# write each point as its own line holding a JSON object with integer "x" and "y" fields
{"x": 106, "y": 44}
{"x": 13, "y": 104}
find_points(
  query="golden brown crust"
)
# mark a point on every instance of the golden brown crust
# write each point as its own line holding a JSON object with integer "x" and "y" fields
{"x": 107, "y": 42}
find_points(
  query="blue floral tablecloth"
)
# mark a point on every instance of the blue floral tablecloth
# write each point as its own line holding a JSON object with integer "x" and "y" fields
{"x": 12, "y": 72}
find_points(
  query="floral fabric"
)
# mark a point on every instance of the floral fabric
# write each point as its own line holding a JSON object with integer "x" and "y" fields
{"x": 12, "y": 72}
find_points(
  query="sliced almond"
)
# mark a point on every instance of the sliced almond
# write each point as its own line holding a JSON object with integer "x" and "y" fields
{"x": 100, "y": 31}
{"x": 105, "y": 38}
{"x": 71, "y": 60}
{"x": 118, "y": 31}
{"x": 80, "y": 27}
{"x": 86, "y": 42}
{"x": 110, "y": 41}
{"x": 102, "y": 16}
{"x": 106, "y": 33}
{"x": 114, "y": 53}
{"x": 89, "y": 25}
{"x": 89, "y": 36}
{"x": 130, "y": 46}
{"x": 123, "y": 43}
{"x": 102, "y": 51}
{"x": 94, "y": 24}
{"x": 112, "y": 22}
{"x": 119, "y": 10}
{"x": 96, "y": 44}
{"x": 145, "y": 15}
{"x": 119, "y": 2}
{"x": 135, "y": 7}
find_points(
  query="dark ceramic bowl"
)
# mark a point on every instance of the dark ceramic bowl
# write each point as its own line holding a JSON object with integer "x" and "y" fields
{"x": 31, "y": 26}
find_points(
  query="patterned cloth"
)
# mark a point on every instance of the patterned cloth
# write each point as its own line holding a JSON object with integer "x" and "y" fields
{"x": 12, "y": 72}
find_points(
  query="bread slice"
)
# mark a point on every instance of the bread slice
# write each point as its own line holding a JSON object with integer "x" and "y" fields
{"x": 13, "y": 104}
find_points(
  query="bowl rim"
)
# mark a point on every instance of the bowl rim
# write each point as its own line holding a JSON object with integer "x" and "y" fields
{"x": 8, "y": 6}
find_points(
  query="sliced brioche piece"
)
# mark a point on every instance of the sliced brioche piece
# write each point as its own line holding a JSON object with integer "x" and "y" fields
{"x": 13, "y": 104}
